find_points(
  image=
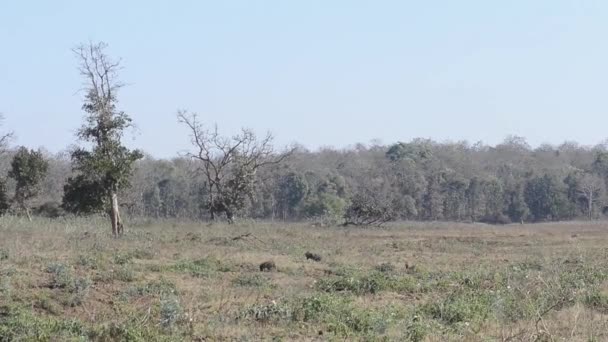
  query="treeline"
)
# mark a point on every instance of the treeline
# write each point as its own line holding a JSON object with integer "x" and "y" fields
{"x": 244, "y": 176}
{"x": 418, "y": 180}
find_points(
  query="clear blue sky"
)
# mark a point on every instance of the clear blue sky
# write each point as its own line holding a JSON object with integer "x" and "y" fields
{"x": 318, "y": 72}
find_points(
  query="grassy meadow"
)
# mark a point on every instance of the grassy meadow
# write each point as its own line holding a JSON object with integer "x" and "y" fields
{"x": 69, "y": 280}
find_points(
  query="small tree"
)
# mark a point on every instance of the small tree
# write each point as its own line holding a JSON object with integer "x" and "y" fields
{"x": 369, "y": 208}
{"x": 591, "y": 190}
{"x": 28, "y": 169}
{"x": 546, "y": 198}
{"x": 4, "y": 200}
{"x": 106, "y": 167}
{"x": 5, "y": 138}
{"x": 291, "y": 191}
{"x": 229, "y": 165}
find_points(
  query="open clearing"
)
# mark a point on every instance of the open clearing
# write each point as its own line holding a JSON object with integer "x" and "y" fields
{"x": 68, "y": 280}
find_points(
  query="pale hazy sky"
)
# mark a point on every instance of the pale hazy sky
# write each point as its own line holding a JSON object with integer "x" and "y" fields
{"x": 317, "y": 72}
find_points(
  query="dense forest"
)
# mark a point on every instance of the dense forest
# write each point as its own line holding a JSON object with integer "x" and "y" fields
{"x": 418, "y": 180}
{"x": 246, "y": 176}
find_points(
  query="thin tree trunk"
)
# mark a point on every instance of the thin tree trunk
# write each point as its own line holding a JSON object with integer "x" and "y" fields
{"x": 230, "y": 216}
{"x": 211, "y": 203}
{"x": 27, "y": 212}
{"x": 121, "y": 230}
{"x": 115, "y": 215}
{"x": 590, "y": 204}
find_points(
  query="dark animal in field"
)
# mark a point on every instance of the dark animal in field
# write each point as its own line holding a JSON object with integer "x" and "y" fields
{"x": 312, "y": 256}
{"x": 268, "y": 266}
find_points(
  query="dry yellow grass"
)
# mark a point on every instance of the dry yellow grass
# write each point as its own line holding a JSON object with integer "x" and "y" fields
{"x": 193, "y": 281}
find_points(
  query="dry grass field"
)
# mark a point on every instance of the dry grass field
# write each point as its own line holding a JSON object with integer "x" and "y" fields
{"x": 68, "y": 280}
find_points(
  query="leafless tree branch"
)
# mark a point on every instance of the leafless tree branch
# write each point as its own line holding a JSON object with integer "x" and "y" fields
{"x": 229, "y": 164}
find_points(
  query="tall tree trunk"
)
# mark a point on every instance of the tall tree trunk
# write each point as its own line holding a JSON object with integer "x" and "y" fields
{"x": 590, "y": 204}
{"x": 117, "y": 227}
{"x": 230, "y": 216}
{"x": 119, "y": 221}
{"x": 211, "y": 203}
{"x": 27, "y": 212}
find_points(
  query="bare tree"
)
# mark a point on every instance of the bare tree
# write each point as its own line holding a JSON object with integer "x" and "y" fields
{"x": 590, "y": 188}
{"x": 5, "y": 138}
{"x": 229, "y": 164}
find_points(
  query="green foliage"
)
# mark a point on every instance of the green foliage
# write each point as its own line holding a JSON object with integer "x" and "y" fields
{"x": 417, "y": 151}
{"x": 89, "y": 261}
{"x": 49, "y": 210}
{"x": 82, "y": 195}
{"x": 326, "y": 205}
{"x": 107, "y": 167}
{"x": 597, "y": 300}
{"x": 255, "y": 280}
{"x": 4, "y": 198}
{"x": 76, "y": 288}
{"x": 466, "y": 307}
{"x": 546, "y": 198}
{"x": 369, "y": 208}
{"x": 517, "y": 209}
{"x": 125, "y": 332}
{"x": 3, "y": 254}
{"x": 370, "y": 283}
{"x": 385, "y": 268}
{"x": 18, "y": 324}
{"x": 28, "y": 169}
{"x": 142, "y": 254}
{"x": 416, "y": 330}
{"x": 161, "y": 287}
{"x": 200, "y": 268}
{"x": 600, "y": 164}
{"x": 124, "y": 273}
{"x": 266, "y": 312}
{"x": 340, "y": 316}
{"x": 170, "y": 311}
{"x": 433, "y": 200}
{"x": 123, "y": 258}
{"x": 21, "y": 324}
{"x": 292, "y": 190}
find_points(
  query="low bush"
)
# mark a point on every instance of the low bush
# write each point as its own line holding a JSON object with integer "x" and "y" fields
{"x": 372, "y": 283}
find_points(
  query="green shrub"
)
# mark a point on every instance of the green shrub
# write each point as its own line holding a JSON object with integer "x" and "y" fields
{"x": 341, "y": 317}
{"x": 142, "y": 254}
{"x": 160, "y": 287}
{"x": 49, "y": 209}
{"x": 416, "y": 330}
{"x": 201, "y": 268}
{"x": 372, "y": 283}
{"x": 89, "y": 261}
{"x": 170, "y": 311}
{"x": 75, "y": 288}
{"x": 48, "y": 304}
{"x": 124, "y": 273}
{"x": 127, "y": 333}
{"x": 267, "y": 312}
{"x": 247, "y": 280}
{"x": 3, "y": 254}
{"x": 597, "y": 301}
{"x": 315, "y": 308}
{"x": 466, "y": 307}
{"x": 385, "y": 268}
{"x": 18, "y": 324}
{"x": 123, "y": 259}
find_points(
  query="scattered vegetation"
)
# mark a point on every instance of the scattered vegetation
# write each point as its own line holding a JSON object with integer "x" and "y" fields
{"x": 410, "y": 282}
